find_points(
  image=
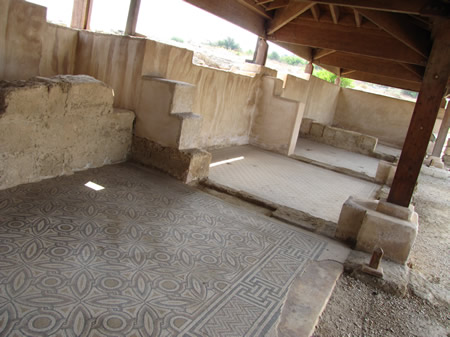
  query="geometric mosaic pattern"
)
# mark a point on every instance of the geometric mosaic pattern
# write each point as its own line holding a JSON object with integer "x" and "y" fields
{"x": 146, "y": 256}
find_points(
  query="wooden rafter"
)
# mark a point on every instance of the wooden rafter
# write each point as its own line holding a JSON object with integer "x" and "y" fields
{"x": 319, "y": 53}
{"x": 285, "y": 15}
{"x": 315, "y": 10}
{"x": 234, "y": 12}
{"x": 277, "y": 4}
{"x": 384, "y": 80}
{"x": 368, "y": 42}
{"x": 334, "y": 10}
{"x": 255, "y": 8}
{"x": 396, "y": 25}
{"x": 417, "y": 7}
{"x": 358, "y": 18}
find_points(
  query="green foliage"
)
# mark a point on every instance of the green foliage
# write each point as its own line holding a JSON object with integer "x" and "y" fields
{"x": 177, "y": 39}
{"x": 410, "y": 93}
{"x": 228, "y": 43}
{"x": 249, "y": 52}
{"x": 292, "y": 60}
{"x": 274, "y": 56}
{"x": 330, "y": 77}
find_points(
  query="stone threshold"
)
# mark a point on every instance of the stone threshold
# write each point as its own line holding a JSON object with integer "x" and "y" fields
{"x": 286, "y": 214}
{"x": 338, "y": 169}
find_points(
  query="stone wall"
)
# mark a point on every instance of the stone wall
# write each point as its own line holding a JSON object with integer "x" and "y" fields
{"x": 52, "y": 127}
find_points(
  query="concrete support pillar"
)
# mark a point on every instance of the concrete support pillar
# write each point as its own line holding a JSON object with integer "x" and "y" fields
{"x": 260, "y": 55}
{"x": 309, "y": 69}
{"x": 133, "y": 15}
{"x": 424, "y": 116}
{"x": 442, "y": 135}
{"x": 337, "y": 81}
{"x": 81, "y": 14}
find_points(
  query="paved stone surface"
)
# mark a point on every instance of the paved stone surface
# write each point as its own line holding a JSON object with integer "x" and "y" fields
{"x": 333, "y": 156}
{"x": 287, "y": 182}
{"x": 146, "y": 256}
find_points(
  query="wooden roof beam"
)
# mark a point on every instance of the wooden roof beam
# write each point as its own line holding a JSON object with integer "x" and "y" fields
{"x": 255, "y": 8}
{"x": 371, "y": 65}
{"x": 277, "y": 4}
{"x": 383, "y": 80}
{"x": 345, "y": 72}
{"x": 233, "y": 12}
{"x": 285, "y": 15}
{"x": 319, "y": 53}
{"x": 368, "y": 42}
{"x": 396, "y": 25}
{"x": 416, "y": 7}
{"x": 334, "y": 13}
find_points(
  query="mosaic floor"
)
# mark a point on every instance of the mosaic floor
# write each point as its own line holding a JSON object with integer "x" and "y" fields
{"x": 287, "y": 182}
{"x": 146, "y": 256}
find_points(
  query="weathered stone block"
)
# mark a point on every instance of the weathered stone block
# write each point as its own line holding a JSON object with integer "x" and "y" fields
{"x": 403, "y": 213}
{"x": 184, "y": 165}
{"x": 54, "y": 126}
{"x": 395, "y": 236}
{"x": 305, "y": 127}
{"x": 385, "y": 173}
{"x": 317, "y": 129}
{"x": 351, "y": 217}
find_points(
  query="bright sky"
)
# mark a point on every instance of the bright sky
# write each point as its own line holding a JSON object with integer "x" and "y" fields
{"x": 158, "y": 19}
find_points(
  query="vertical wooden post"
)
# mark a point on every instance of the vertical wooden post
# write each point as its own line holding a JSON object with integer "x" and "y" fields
{"x": 81, "y": 14}
{"x": 424, "y": 116}
{"x": 133, "y": 15}
{"x": 443, "y": 132}
{"x": 260, "y": 55}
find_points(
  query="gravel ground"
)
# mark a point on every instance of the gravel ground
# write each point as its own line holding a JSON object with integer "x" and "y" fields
{"x": 358, "y": 309}
{"x": 431, "y": 251}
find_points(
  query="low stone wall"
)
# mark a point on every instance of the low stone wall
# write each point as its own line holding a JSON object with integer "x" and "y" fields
{"x": 54, "y": 126}
{"x": 340, "y": 138}
{"x": 185, "y": 165}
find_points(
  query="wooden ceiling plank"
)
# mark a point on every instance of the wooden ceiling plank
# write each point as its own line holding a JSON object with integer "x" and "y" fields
{"x": 368, "y": 42}
{"x": 255, "y": 8}
{"x": 334, "y": 10}
{"x": 285, "y": 15}
{"x": 401, "y": 29}
{"x": 358, "y": 18}
{"x": 233, "y": 12}
{"x": 263, "y": 2}
{"x": 315, "y": 10}
{"x": 369, "y": 65}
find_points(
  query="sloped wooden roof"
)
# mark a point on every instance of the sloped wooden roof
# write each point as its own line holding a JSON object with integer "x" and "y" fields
{"x": 380, "y": 41}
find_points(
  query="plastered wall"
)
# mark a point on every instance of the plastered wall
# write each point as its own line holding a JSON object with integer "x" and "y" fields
{"x": 320, "y": 97}
{"x": 379, "y": 116}
{"x": 29, "y": 46}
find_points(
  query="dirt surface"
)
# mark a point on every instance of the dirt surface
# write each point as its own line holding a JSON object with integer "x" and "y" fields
{"x": 356, "y": 309}
{"x": 359, "y": 309}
